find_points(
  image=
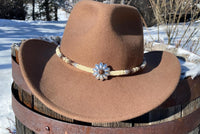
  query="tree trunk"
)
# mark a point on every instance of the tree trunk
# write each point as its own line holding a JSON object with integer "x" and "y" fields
{"x": 46, "y": 4}
{"x": 56, "y": 11}
{"x": 33, "y": 11}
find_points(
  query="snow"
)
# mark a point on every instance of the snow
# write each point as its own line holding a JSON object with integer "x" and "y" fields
{"x": 191, "y": 56}
{"x": 189, "y": 69}
{"x": 151, "y": 34}
{"x": 13, "y": 31}
{"x": 62, "y": 15}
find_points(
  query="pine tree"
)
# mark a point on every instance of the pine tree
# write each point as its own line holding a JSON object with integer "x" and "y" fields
{"x": 49, "y": 9}
{"x": 13, "y": 9}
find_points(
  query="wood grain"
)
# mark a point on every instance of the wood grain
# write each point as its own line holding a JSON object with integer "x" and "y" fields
{"x": 155, "y": 116}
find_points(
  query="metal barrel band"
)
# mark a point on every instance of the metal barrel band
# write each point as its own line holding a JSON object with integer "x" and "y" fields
{"x": 186, "y": 91}
{"x": 39, "y": 124}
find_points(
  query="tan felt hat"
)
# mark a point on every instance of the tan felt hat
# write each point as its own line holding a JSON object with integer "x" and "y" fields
{"x": 134, "y": 83}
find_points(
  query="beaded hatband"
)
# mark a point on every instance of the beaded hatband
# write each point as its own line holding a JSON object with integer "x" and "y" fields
{"x": 101, "y": 71}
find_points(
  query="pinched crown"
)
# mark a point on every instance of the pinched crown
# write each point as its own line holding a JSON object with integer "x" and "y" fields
{"x": 112, "y": 35}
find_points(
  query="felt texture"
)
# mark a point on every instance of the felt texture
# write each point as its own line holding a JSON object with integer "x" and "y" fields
{"x": 111, "y": 34}
{"x": 97, "y": 32}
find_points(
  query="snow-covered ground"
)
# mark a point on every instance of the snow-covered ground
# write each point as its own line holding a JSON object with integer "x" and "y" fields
{"x": 12, "y": 31}
{"x": 151, "y": 34}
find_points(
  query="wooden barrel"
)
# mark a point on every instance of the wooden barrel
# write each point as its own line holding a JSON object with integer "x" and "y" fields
{"x": 181, "y": 110}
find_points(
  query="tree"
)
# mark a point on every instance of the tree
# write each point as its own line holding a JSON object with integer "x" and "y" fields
{"x": 49, "y": 8}
{"x": 146, "y": 11}
{"x": 13, "y": 9}
{"x": 46, "y": 5}
{"x": 33, "y": 11}
{"x": 55, "y": 12}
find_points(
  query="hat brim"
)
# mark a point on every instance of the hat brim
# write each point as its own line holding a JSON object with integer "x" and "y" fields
{"x": 78, "y": 95}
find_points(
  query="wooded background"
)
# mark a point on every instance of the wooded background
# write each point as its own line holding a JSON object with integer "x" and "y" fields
{"x": 47, "y": 9}
{"x": 17, "y": 9}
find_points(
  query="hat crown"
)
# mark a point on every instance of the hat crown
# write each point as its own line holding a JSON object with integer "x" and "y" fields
{"x": 97, "y": 32}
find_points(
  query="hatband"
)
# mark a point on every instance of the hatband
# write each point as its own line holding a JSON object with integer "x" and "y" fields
{"x": 100, "y": 71}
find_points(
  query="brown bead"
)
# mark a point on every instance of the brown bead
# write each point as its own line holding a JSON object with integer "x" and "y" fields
{"x": 101, "y": 71}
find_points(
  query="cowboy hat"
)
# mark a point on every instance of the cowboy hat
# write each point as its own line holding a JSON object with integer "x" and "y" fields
{"x": 106, "y": 40}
